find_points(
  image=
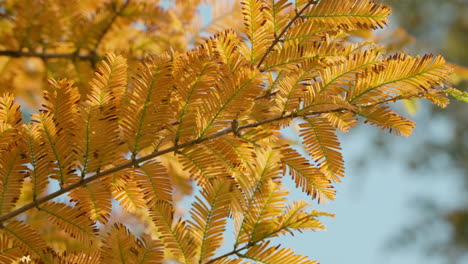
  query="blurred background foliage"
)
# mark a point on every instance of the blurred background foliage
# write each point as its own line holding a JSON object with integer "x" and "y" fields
{"x": 438, "y": 27}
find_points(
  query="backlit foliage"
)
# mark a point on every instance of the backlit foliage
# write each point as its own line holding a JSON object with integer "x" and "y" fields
{"x": 176, "y": 106}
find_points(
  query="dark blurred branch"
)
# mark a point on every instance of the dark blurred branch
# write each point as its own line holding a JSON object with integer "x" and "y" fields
{"x": 45, "y": 56}
{"x": 18, "y": 54}
{"x": 92, "y": 56}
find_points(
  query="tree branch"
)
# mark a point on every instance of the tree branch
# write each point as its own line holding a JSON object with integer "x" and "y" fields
{"x": 155, "y": 154}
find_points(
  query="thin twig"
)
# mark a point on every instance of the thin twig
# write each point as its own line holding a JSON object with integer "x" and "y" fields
{"x": 117, "y": 14}
{"x": 278, "y": 38}
{"x": 235, "y": 251}
{"x": 253, "y": 243}
{"x": 401, "y": 97}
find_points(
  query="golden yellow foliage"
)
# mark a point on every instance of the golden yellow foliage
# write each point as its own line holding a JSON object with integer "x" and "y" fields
{"x": 137, "y": 103}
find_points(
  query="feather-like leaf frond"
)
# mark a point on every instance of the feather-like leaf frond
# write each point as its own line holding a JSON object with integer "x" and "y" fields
{"x": 12, "y": 158}
{"x": 174, "y": 233}
{"x": 387, "y": 119}
{"x": 75, "y": 257}
{"x": 9, "y": 252}
{"x": 337, "y": 78}
{"x": 264, "y": 166}
{"x": 25, "y": 237}
{"x": 306, "y": 31}
{"x": 39, "y": 170}
{"x": 10, "y": 122}
{"x": 293, "y": 85}
{"x": 263, "y": 253}
{"x": 320, "y": 139}
{"x": 12, "y": 172}
{"x": 209, "y": 213}
{"x": 228, "y": 261}
{"x": 437, "y": 98}
{"x": 264, "y": 197}
{"x": 235, "y": 146}
{"x": 196, "y": 75}
{"x": 229, "y": 153}
{"x": 59, "y": 123}
{"x": 309, "y": 178}
{"x": 343, "y": 121}
{"x": 204, "y": 162}
{"x": 277, "y": 12}
{"x": 119, "y": 246}
{"x": 149, "y": 250}
{"x": 323, "y": 103}
{"x": 267, "y": 203}
{"x": 94, "y": 200}
{"x": 125, "y": 189}
{"x": 233, "y": 96}
{"x": 154, "y": 182}
{"x": 400, "y": 74}
{"x": 146, "y": 107}
{"x": 100, "y": 111}
{"x": 351, "y": 13}
{"x": 73, "y": 222}
{"x": 264, "y": 109}
{"x": 296, "y": 218}
{"x": 256, "y": 29}
{"x": 287, "y": 58}
{"x": 225, "y": 46}
{"x": 209, "y": 114}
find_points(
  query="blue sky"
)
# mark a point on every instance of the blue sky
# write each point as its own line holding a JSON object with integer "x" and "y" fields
{"x": 376, "y": 201}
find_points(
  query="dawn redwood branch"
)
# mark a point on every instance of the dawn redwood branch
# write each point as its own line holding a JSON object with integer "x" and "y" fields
{"x": 155, "y": 154}
{"x": 175, "y": 148}
{"x": 278, "y": 38}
